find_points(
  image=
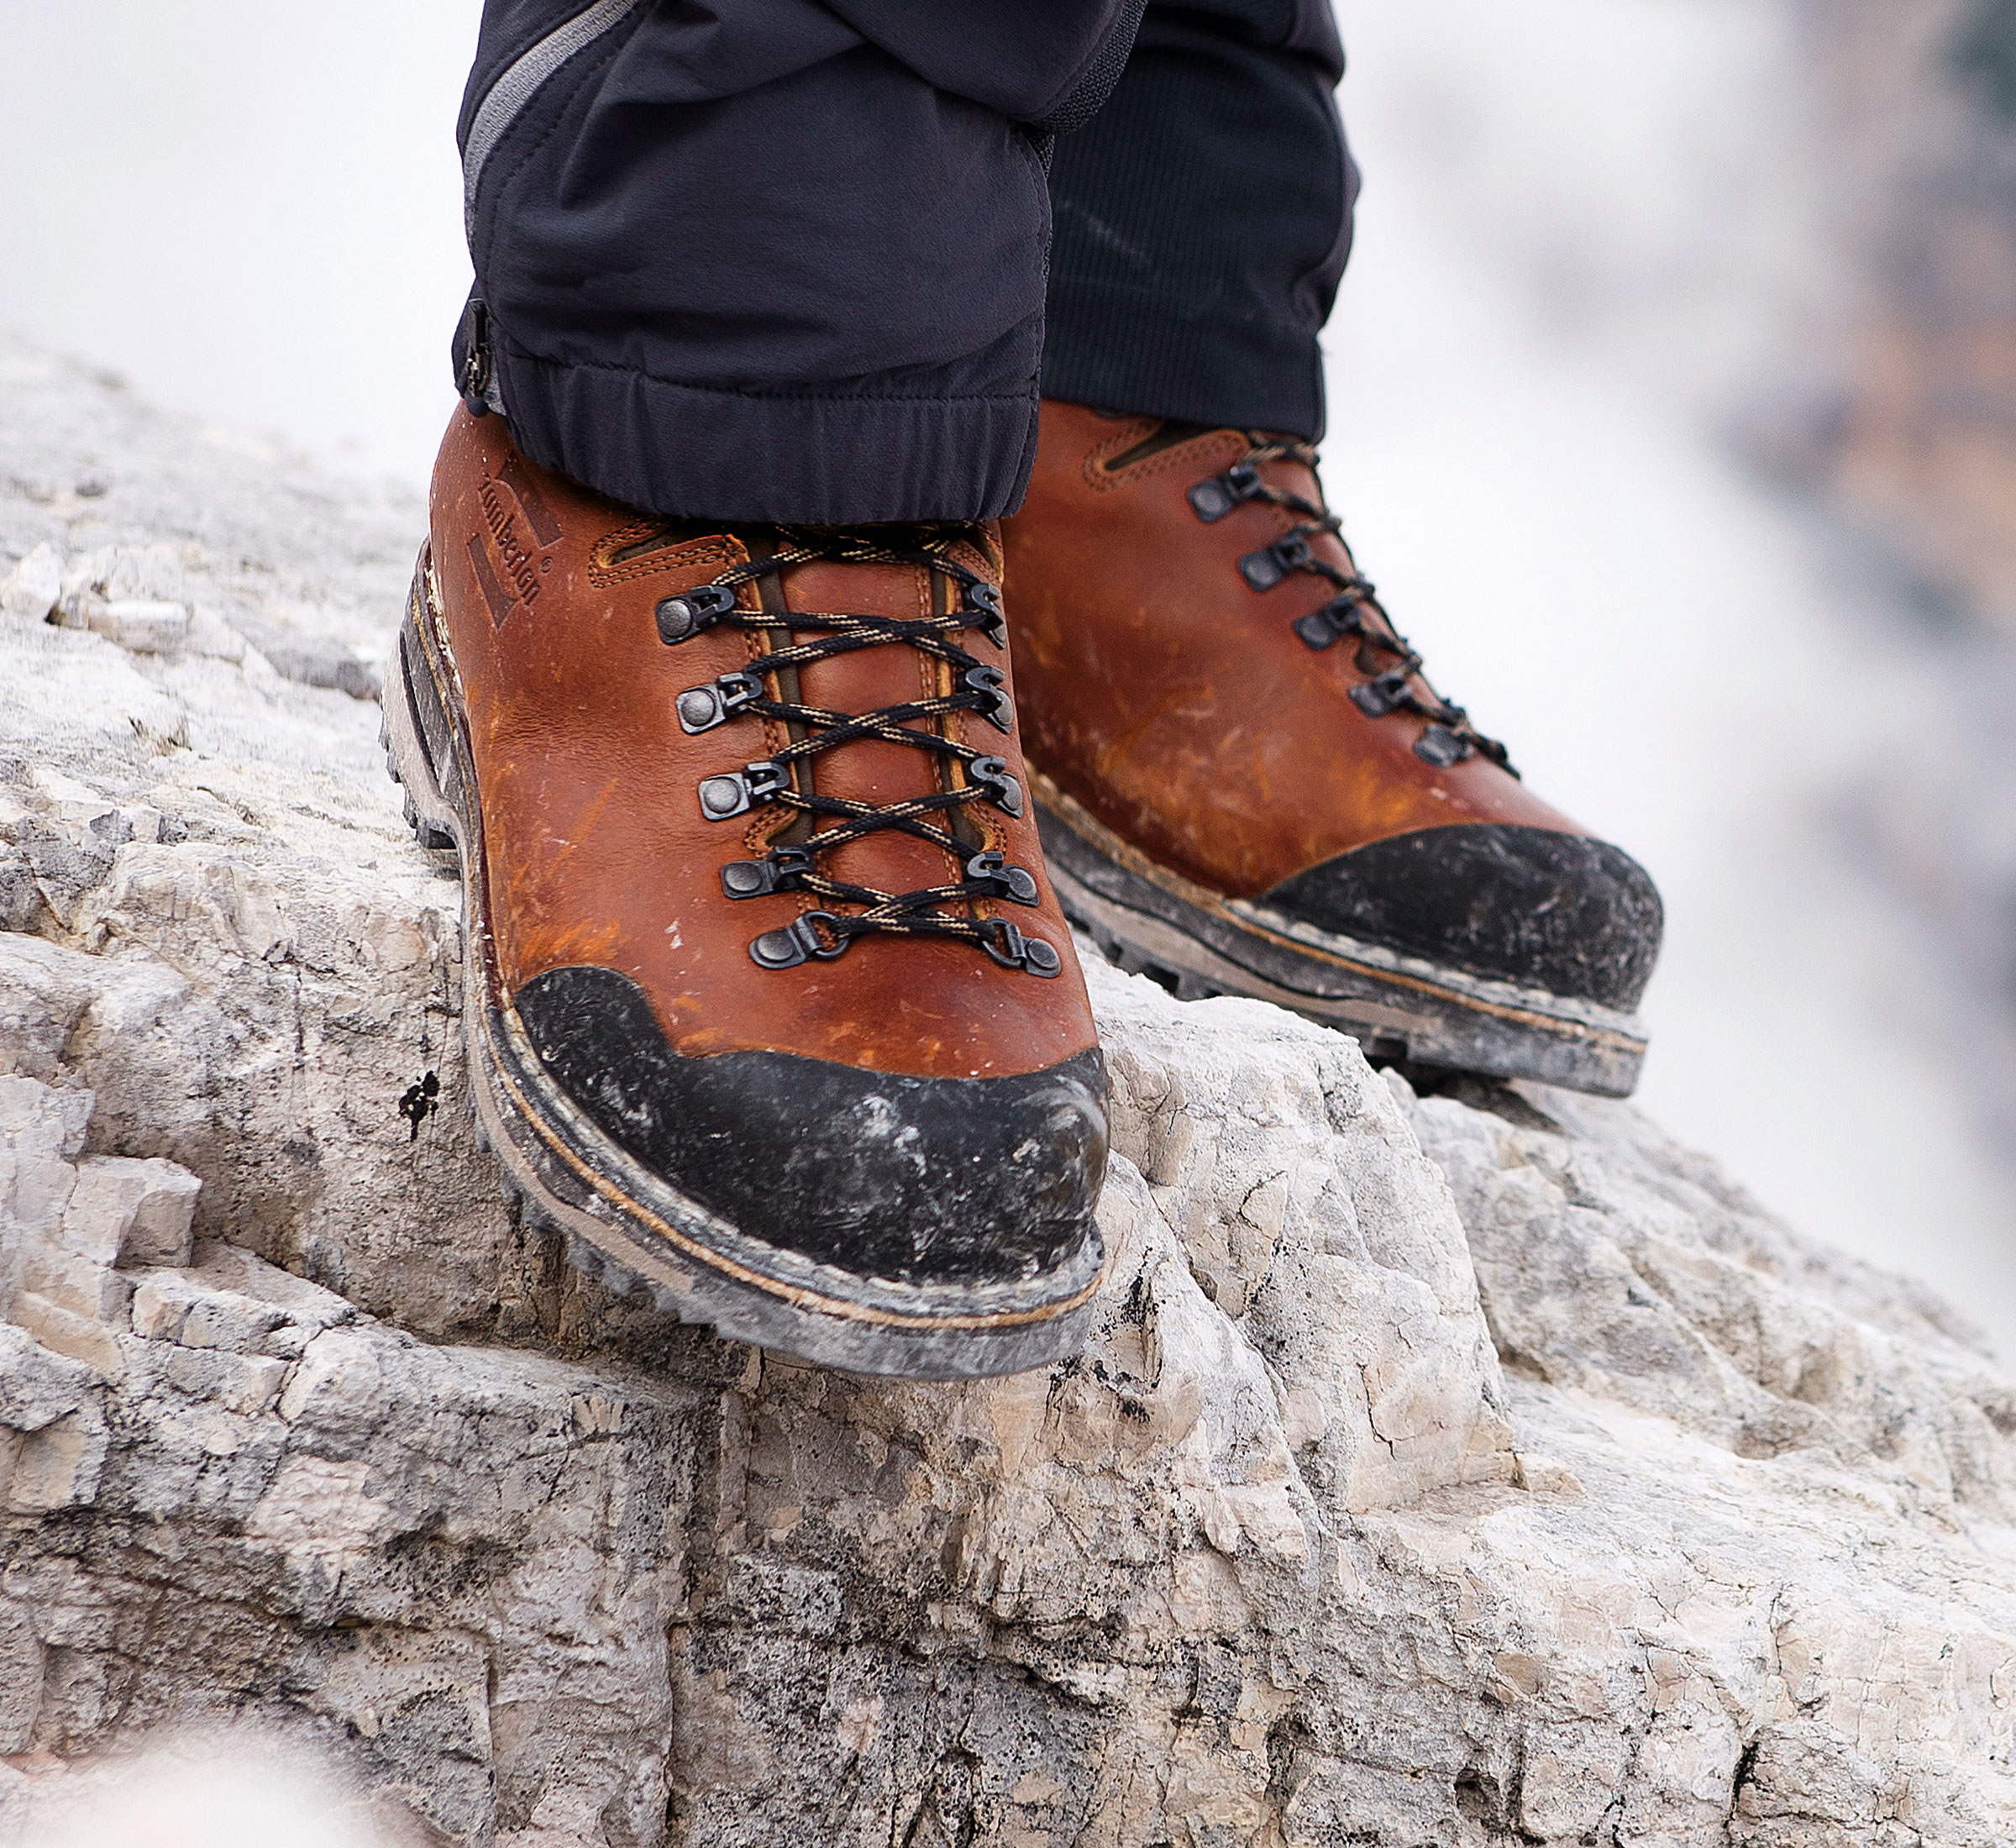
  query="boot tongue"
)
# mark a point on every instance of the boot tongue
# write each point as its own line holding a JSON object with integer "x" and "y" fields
{"x": 873, "y": 770}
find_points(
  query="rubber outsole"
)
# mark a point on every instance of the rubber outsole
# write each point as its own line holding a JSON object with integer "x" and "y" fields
{"x": 628, "y": 1227}
{"x": 1403, "y": 1009}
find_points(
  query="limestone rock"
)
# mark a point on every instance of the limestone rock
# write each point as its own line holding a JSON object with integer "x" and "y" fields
{"x": 1475, "y": 1468}
{"x": 32, "y": 587}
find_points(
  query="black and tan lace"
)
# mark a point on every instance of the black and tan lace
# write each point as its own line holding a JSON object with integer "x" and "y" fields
{"x": 800, "y": 638}
{"x": 1397, "y": 682}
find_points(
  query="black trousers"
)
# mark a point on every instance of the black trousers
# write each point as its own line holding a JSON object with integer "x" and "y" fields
{"x": 812, "y": 259}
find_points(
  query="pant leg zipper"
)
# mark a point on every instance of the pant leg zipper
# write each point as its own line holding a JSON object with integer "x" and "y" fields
{"x": 478, "y": 381}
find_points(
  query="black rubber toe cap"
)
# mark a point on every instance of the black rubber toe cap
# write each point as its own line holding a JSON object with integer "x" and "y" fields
{"x": 920, "y": 1180}
{"x": 1561, "y": 912}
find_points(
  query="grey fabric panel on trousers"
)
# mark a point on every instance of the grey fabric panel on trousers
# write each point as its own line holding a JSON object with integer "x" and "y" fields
{"x": 775, "y": 260}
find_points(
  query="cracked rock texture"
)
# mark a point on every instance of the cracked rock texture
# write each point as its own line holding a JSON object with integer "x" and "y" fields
{"x": 1472, "y": 1469}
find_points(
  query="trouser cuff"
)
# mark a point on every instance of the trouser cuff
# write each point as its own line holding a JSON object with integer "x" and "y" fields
{"x": 1124, "y": 348}
{"x": 695, "y": 452}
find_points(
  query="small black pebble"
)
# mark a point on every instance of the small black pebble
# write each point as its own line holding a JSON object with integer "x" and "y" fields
{"x": 421, "y": 1100}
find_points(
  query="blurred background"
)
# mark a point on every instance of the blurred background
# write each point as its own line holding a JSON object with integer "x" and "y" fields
{"x": 1673, "y": 408}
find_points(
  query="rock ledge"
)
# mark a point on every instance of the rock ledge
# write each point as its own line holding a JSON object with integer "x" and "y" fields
{"x": 1472, "y": 1469}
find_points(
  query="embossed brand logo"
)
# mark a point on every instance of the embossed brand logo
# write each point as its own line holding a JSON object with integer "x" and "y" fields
{"x": 508, "y": 570}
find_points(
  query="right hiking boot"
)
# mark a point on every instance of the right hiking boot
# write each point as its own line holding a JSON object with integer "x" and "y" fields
{"x": 770, "y": 1004}
{"x": 1249, "y": 786}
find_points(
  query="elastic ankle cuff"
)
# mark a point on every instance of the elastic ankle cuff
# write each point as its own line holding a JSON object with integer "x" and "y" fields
{"x": 695, "y": 452}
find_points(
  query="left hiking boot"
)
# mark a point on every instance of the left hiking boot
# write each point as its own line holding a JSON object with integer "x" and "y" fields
{"x": 1247, "y": 786}
{"x": 769, "y": 1004}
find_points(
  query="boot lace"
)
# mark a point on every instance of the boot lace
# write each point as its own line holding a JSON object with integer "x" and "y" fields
{"x": 1394, "y": 666}
{"x": 944, "y": 911}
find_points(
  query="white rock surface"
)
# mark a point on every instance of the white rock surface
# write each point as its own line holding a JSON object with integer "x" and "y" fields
{"x": 31, "y": 588}
{"x": 1470, "y": 1470}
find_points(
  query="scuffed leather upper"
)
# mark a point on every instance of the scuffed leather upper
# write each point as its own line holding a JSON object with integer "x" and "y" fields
{"x": 596, "y": 852}
{"x": 1177, "y": 703}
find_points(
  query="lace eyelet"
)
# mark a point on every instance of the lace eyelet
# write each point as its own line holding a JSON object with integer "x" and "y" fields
{"x": 701, "y": 708}
{"x": 1378, "y": 697}
{"x": 1439, "y": 746}
{"x": 991, "y": 774}
{"x": 1264, "y": 569}
{"x": 1008, "y": 947}
{"x": 1016, "y": 884}
{"x": 1336, "y": 619}
{"x": 1213, "y": 499}
{"x": 736, "y": 792}
{"x": 799, "y": 941}
{"x": 758, "y": 878}
{"x": 999, "y": 713}
{"x": 683, "y": 616}
{"x": 984, "y": 600}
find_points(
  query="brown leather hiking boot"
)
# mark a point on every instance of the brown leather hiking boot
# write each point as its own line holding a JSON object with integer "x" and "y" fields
{"x": 769, "y": 1002}
{"x": 1246, "y": 785}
